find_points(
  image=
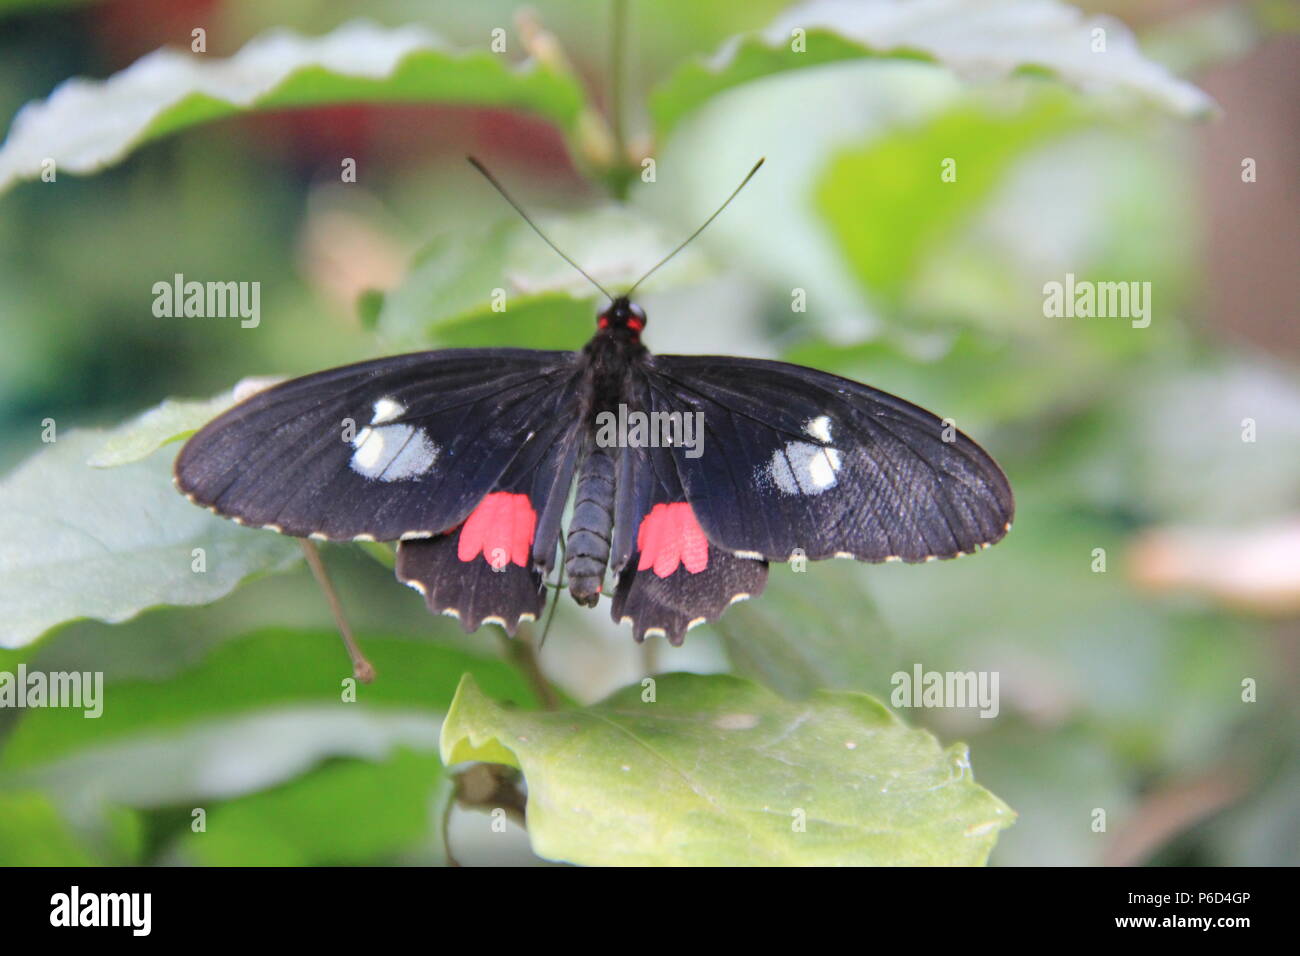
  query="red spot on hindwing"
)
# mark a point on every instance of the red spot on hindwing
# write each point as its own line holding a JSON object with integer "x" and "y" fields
{"x": 501, "y": 529}
{"x": 670, "y": 536}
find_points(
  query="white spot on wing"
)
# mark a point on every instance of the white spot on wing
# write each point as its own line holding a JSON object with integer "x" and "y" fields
{"x": 802, "y": 468}
{"x": 369, "y": 445}
{"x": 391, "y": 452}
{"x": 819, "y": 428}
{"x": 823, "y": 467}
{"x": 416, "y": 456}
{"x": 387, "y": 410}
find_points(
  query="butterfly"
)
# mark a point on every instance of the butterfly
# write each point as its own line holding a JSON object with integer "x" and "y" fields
{"x": 688, "y": 474}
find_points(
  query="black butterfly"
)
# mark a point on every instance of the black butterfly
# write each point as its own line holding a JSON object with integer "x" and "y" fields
{"x": 692, "y": 473}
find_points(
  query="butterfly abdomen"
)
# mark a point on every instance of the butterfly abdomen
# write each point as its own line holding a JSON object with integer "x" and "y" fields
{"x": 587, "y": 550}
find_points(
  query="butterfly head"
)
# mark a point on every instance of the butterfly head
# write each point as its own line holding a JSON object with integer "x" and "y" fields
{"x": 622, "y": 317}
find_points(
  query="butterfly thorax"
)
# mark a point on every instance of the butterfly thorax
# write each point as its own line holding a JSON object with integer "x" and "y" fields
{"x": 613, "y": 352}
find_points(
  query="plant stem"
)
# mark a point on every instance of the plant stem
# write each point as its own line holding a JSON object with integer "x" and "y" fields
{"x": 650, "y": 657}
{"x": 362, "y": 669}
{"x": 617, "y": 72}
{"x": 621, "y": 168}
{"x": 521, "y": 652}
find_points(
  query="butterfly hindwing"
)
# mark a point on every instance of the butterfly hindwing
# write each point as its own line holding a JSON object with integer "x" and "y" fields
{"x": 490, "y": 568}
{"x": 401, "y": 447}
{"x": 674, "y": 604}
{"x": 794, "y": 458}
{"x": 674, "y": 577}
{"x": 474, "y": 591}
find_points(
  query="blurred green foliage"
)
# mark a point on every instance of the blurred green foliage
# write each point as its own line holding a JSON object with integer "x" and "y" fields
{"x": 930, "y": 288}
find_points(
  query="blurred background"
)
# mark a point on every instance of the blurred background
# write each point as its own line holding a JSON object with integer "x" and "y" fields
{"x": 1122, "y": 688}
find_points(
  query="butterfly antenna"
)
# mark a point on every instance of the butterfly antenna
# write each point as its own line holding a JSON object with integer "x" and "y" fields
{"x": 519, "y": 209}
{"x": 689, "y": 238}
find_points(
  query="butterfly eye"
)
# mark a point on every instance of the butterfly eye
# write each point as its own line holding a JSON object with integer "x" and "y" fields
{"x": 636, "y": 318}
{"x": 602, "y": 322}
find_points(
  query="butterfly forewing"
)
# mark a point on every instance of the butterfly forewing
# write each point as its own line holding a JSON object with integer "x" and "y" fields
{"x": 397, "y": 447}
{"x": 800, "y": 461}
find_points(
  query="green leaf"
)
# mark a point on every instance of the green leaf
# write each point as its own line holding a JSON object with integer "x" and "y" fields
{"x": 86, "y": 125}
{"x": 351, "y": 781}
{"x": 33, "y": 833}
{"x": 543, "y": 322}
{"x": 885, "y": 232}
{"x": 347, "y": 812}
{"x": 369, "y": 305}
{"x": 275, "y": 669}
{"x": 174, "y": 420}
{"x": 78, "y": 542}
{"x": 976, "y": 38}
{"x": 447, "y": 296}
{"x": 385, "y": 552}
{"x": 719, "y": 771}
